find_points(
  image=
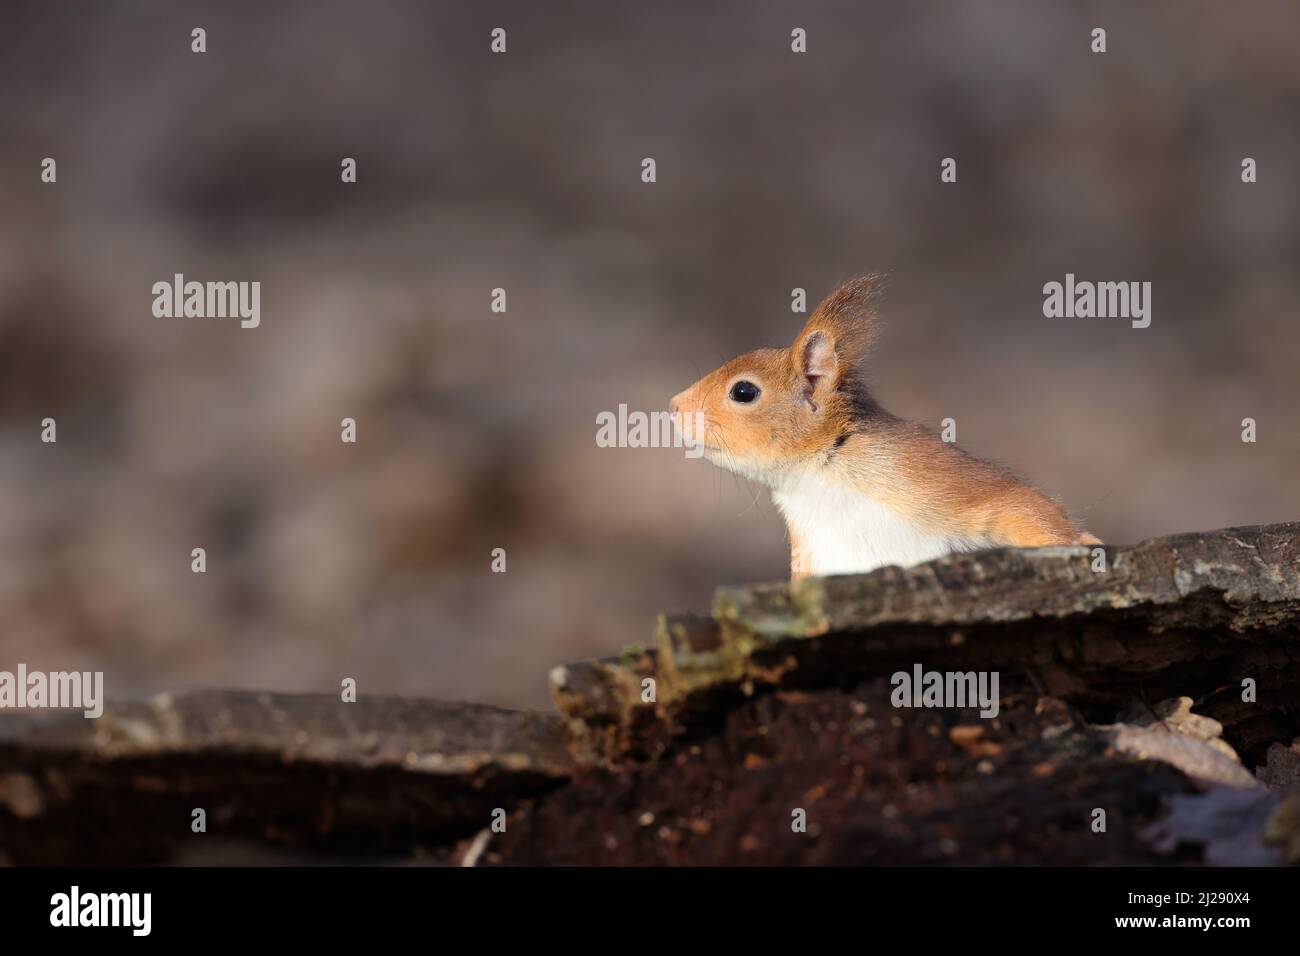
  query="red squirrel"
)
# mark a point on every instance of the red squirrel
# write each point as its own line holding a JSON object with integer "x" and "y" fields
{"x": 859, "y": 488}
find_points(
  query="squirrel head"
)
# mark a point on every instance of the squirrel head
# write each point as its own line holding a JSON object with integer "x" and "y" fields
{"x": 771, "y": 409}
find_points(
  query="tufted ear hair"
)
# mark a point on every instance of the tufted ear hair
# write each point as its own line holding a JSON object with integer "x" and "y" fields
{"x": 837, "y": 335}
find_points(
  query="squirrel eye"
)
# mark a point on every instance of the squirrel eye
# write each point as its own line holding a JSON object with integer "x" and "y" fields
{"x": 744, "y": 392}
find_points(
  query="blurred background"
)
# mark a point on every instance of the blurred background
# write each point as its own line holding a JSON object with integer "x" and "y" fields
{"x": 477, "y": 430}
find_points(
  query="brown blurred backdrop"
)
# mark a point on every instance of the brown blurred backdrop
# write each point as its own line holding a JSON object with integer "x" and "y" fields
{"x": 477, "y": 430}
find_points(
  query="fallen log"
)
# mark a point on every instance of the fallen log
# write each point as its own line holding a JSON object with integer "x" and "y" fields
{"x": 382, "y": 776}
{"x": 1212, "y": 616}
{"x": 1147, "y": 710}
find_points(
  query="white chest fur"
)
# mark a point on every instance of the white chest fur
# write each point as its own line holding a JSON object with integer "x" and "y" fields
{"x": 844, "y": 531}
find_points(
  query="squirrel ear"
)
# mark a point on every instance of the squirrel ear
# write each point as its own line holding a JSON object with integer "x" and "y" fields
{"x": 839, "y": 332}
{"x": 817, "y": 355}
